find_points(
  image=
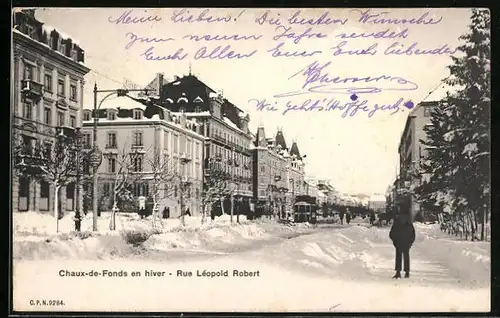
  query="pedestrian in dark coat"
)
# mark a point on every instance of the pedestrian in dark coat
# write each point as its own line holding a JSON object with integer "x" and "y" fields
{"x": 372, "y": 218}
{"x": 341, "y": 215}
{"x": 402, "y": 235}
{"x": 348, "y": 217}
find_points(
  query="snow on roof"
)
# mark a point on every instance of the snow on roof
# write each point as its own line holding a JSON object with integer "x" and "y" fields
{"x": 122, "y": 102}
{"x": 48, "y": 28}
{"x": 198, "y": 99}
{"x": 169, "y": 100}
{"x": 194, "y": 114}
{"x": 231, "y": 124}
{"x": 176, "y": 83}
{"x": 43, "y": 44}
{"x": 213, "y": 95}
{"x": 182, "y": 99}
{"x": 145, "y": 121}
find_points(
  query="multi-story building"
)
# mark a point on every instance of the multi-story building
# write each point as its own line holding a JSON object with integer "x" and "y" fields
{"x": 270, "y": 183}
{"x": 279, "y": 172}
{"x": 47, "y": 92}
{"x": 125, "y": 131}
{"x": 411, "y": 153}
{"x": 222, "y": 122}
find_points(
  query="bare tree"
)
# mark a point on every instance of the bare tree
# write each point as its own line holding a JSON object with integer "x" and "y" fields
{"x": 213, "y": 189}
{"x": 164, "y": 175}
{"x": 53, "y": 162}
{"x": 168, "y": 176}
{"x": 123, "y": 177}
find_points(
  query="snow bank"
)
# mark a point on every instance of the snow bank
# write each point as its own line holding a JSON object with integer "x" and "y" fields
{"x": 34, "y": 236}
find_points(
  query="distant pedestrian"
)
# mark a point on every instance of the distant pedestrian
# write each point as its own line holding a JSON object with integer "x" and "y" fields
{"x": 372, "y": 218}
{"x": 188, "y": 213}
{"x": 348, "y": 216}
{"x": 341, "y": 215}
{"x": 402, "y": 235}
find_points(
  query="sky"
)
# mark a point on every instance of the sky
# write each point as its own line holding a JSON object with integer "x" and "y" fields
{"x": 358, "y": 154}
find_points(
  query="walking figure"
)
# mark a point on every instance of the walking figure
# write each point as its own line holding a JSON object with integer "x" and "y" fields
{"x": 348, "y": 216}
{"x": 372, "y": 218}
{"x": 402, "y": 235}
{"x": 341, "y": 215}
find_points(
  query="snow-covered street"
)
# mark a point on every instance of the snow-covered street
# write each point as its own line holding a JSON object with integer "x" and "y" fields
{"x": 337, "y": 268}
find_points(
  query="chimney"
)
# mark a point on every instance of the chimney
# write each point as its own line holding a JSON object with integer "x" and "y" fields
{"x": 244, "y": 123}
{"x": 159, "y": 83}
{"x": 183, "y": 120}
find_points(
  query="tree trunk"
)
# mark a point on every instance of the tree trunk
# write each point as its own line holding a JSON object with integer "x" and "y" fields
{"x": 222, "y": 205}
{"x": 112, "y": 221}
{"x": 483, "y": 222}
{"x": 232, "y": 208}
{"x": 203, "y": 213}
{"x": 56, "y": 205}
{"x": 183, "y": 213}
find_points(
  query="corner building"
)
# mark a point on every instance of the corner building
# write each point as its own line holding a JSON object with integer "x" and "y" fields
{"x": 47, "y": 81}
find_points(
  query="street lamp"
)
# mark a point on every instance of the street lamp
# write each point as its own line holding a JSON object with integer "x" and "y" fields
{"x": 96, "y": 156}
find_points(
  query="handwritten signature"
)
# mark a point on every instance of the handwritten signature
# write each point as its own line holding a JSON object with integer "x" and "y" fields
{"x": 349, "y": 109}
{"x": 316, "y": 74}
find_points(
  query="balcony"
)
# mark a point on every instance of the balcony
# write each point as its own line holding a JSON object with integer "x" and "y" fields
{"x": 31, "y": 89}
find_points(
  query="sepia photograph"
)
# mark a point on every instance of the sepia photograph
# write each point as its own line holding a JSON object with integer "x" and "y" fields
{"x": 250, "y": 160}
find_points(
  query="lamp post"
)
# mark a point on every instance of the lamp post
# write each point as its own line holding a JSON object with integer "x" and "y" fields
{"x": 96, "y": 157}
{"x": 78, "y": 149}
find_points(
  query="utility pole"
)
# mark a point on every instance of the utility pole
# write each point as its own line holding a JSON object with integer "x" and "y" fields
{"x": 96, "y": 157}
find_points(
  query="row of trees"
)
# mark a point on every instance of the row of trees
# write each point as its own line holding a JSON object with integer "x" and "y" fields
{"x": 63, "y": 160}
{"x": 455, "y": 178}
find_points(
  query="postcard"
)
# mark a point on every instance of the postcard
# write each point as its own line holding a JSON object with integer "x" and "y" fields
{"x": 250, "y": 160}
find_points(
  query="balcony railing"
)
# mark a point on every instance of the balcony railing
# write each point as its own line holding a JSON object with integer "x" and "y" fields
{"x": 185, "y": 157}
{"x": 31, "y": 89}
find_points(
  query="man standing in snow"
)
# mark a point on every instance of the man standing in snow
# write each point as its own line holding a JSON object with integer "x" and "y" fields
{"x": 402, "y": 235}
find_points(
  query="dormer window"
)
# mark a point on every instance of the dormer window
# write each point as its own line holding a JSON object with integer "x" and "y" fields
{"x": 62, "y": 48}
{"x": 137, "y": 114}
{"x": 111, "y": 115}
{"x": 182, "y": 109}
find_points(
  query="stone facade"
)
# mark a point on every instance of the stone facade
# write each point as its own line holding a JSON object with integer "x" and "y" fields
{"x": 176, "y": 138}
{"x": 46, "y": 92}
{"x": 412, "y": 152}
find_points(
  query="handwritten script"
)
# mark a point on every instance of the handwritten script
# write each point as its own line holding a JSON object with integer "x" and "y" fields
{"x": 318, "y": 42}
{"x": 317, "y": 80}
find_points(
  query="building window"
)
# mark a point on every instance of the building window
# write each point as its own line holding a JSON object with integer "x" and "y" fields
{"x": 137, "y": 114}
{"x": 48, "y": 82}
{"x": 60, "y": 87}
{"x": 72, "y": 121}
{"x": 28, "y": 111}
{"x": 176, "y": 144}
{"x": 60, "y": 119}
{"x": 111, "y": 140}
{"x": 72, "y": 92}
{"x": 141, "y": 189}
{"x": 111, "y": 115}
{"x": 87, "y": 141}
{"x": 47, "y": 116}
{"x": 262, "y": 169}
{"x": 28, "y": 72}
{"x": 428, "y": 111}
{"x": 137, "y": 139}
{"x": 137, "y": 164}
{"x": 111, "y": 165}
{"x": 106, "y": 189}
{"x": 44, "y": 196}
{"x": 86, "y": 116}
